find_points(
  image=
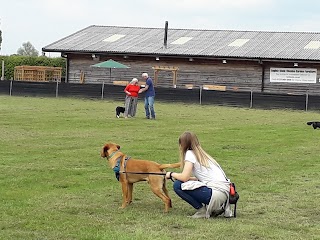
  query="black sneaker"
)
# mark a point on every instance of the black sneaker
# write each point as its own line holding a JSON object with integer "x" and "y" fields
{"x": 217, "y": 213}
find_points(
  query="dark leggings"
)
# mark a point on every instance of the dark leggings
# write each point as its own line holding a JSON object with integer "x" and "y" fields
{"x": 196, "y": 198}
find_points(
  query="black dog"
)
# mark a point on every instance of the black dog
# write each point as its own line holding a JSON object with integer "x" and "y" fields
{"x": 314, "y": 124}
{"x": 119, "y": 110}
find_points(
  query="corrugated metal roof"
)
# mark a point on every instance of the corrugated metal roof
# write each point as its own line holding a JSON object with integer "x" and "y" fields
{"x": 201, "y": 43}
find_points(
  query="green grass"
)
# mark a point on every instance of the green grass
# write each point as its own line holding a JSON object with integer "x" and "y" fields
{"x": 54, "y": 185}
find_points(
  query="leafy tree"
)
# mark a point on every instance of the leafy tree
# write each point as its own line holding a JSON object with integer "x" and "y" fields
{"x": 27, "y": 49}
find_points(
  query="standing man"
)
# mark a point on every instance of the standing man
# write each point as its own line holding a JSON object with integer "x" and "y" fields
{"x": 149, "y": 97}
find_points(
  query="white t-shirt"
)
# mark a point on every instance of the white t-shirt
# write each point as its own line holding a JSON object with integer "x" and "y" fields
{"x": 203, "y": 174}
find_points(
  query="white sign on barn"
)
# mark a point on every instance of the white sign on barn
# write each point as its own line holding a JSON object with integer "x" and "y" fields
{"x": 293, "y": 75}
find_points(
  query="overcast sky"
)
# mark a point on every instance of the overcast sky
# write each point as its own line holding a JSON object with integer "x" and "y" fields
{"x": 43, "y": 22}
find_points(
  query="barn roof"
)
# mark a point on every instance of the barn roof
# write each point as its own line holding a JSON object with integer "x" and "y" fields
{"x": 191, "y": 43}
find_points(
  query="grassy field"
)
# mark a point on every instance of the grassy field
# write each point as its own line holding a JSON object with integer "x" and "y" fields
{"x": 54, "y": 185}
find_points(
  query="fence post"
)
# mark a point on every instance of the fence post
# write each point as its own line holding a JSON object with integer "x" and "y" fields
{"x": 2, "y": 73}
{"x": 307, "y": 100}
{"x": 251, "y": 98}
{"x": 200, "y": 97}
{"x": 102, "y": 90}
{"x": 57, "y": 88}
{"x": 10, "y": 91}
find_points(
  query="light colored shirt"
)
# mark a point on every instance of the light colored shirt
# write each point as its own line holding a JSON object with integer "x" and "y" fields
{"x": 210, "y": 174}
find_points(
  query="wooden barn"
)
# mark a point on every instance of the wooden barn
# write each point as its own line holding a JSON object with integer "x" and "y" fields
{"x": 259, "y": 61}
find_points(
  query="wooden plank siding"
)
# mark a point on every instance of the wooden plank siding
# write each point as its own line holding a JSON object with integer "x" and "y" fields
{"x": 235, "y": 75}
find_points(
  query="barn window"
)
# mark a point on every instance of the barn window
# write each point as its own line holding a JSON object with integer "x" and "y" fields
{"x": 238, "y": 42}
{"x": 182, "y": 40}
{"x": 114, "y": 38}
{"x": 313, "y": 45}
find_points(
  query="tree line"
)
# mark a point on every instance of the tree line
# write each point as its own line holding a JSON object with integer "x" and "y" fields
{"x": 15, "y": 60}
{"x": 28, "y": 55}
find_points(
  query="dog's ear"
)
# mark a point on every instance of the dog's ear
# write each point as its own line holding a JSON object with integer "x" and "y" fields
{"x": 104, "y": 151}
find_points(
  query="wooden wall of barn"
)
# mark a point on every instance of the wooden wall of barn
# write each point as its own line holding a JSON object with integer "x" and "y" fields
{"x": 235, "y": 75}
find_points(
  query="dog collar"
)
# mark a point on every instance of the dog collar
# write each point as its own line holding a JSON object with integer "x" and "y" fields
{"x": 112, "y": 154}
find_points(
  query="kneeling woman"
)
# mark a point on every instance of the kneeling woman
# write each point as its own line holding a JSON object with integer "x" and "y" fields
{"x": 202, "y": 183}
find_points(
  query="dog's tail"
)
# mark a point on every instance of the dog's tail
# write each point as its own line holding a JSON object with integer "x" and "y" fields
{"x": 170, "y": 165}
{"x": 309, "y": 123}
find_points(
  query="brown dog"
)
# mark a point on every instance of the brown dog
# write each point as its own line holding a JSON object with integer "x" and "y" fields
{"x": 120, "y": 163}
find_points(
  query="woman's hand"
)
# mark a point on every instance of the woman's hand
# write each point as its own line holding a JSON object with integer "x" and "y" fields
{"x": 168, "y": 175}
